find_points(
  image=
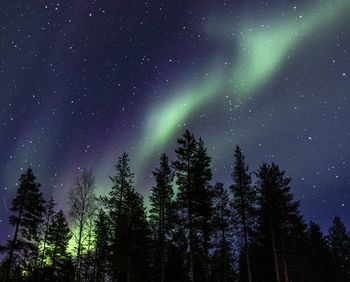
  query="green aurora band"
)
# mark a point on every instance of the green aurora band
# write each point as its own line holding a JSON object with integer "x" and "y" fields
{"x": 262, "y": 50}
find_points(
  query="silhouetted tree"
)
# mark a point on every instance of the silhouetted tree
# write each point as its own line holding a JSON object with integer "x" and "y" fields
{"x": 136, "y": 239}
{"x": 28, "y": 207}
{"x": 280, "y": 229}
{"x": 48, "y": 214}
{"x": 161, "y": 213}
{"x": 244, "y": 205}
{"x": 221, "y": 261}
{"x": 102, "y": 247}
{"x": 184, "y": 169}
{"x": 58, "y": 237}
{"x": 319, "y": 265}
{"x": 130, "y": 233}
{"x": 184, "y": 179}
{"x": 115, "y": 203}
{"x": 339, "y": 241}
{"x": 81, "y": 209}
{"x": 202, "y": 208}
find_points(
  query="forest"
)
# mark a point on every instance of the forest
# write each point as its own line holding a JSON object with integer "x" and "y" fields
{"x": 192, "y": 229}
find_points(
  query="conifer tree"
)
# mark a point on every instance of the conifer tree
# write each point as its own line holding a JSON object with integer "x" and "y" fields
{"x": 319, "y": 264}
{"x": 339, "y": 241}
{"x": 102, "y": 247}
{"x": 280, "y": 229}
{"x": 135, "y": 239}
{"x": 58, "y": 237}
{"x": 221, "y": 269}
{"x": 161, "y": 212}
{"x": 194, "y": 203}
{"x": 27, "y": 208}
{"x": 202, "y": 207}
{"x": 115, "y": 205}
{"x": 184, "y": 169}
{"x": 243, "y": 204}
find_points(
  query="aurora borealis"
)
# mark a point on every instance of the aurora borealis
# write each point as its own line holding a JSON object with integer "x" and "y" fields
{"x": 82, "y": 82}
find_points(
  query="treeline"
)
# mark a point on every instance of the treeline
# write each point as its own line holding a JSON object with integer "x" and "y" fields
{"x": 192, "y": 231}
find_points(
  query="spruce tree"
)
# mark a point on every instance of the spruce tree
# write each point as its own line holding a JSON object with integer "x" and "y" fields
{"x": 129, "y": 227}
{"x": 202, "y": 208}
{"x": 184, "y": 170}
{"x": 58, "y": 237}
{"x": 115, "y": 204}
{"x": 221, "y": 261}
{"x": 161, "y": 213}
{"x": 243, "y": 204}
{"x": 339, "y": 241}
{"x": 135, "y": 239}
{"x": 319, "y": 265}
{"x": 194, "y": 203}
{"x": 27, "y": 208}
{"x": 102, "y": 247}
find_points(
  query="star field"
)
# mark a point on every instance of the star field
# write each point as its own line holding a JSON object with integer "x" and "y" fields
{"x": 81, "y": 82}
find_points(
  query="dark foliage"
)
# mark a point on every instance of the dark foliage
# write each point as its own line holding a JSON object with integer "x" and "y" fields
{"x": 192, "y": 232}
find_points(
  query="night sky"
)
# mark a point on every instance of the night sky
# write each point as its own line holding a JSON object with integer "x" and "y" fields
{"x": 83, "y": 81}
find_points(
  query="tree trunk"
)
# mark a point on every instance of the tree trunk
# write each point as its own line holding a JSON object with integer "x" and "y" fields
{"x": 190, "y": 223}
{"x": 161, "y": 237}
{"x": 13, "y": 243}
{"x": 77, "y": 270}
{"x": 246, "y": 244}
{"x": 274, "y": 251}
{"x": 285, "y": 265}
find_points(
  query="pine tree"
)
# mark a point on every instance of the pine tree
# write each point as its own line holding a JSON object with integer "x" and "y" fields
{"x": 58, "y": 237}
{"x": 319, "y": 265}
{"x": 194, "y": 203}
{"x": 28, "y": 207}
{"x": 184, "y": 169}
{"x": 243, "y": 204}
{"x": 102, "y": 247}
{"x": 135, "y": 239}
{"x": 280, "y": 229}
{"x": 161, "y": 212}
{"x": 81, "y": 209}
{"x": 202, "y": 207}
{"x": 221, "y": 269}
{"x": 339, "y": 241}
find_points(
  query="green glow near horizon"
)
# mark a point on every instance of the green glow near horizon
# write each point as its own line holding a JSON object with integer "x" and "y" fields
{"x": 262, "y": 50}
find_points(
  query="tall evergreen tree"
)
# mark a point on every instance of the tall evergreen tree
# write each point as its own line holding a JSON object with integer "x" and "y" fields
{"x": 319, "y": 265}
{"x": 202, "y": 207}
{"x": 194, "y": 203}
{"x": 58, "y": 237}
{"x": 115, "y": 205}
{"x": 243, "y": 204}
{"x": 184, "y": 169}
{"x": 135, "y": 239}
{"x": 280, "y": 230}
{"x": 221, "y": 262}
{"x": 161, "y": 212}
{"x": 130, "y": 232}
{"x": 28, "y": 207}
{"x": 81, "y": 209}
{"x": 339, "y": 241}
{"x": 102, "y": 247}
